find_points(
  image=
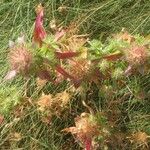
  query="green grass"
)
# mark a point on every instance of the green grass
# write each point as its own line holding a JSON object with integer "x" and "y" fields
{"x": 99, "y": 18}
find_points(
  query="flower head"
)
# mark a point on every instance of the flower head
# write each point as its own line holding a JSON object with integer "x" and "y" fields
{"x": 85, "y": 129}
{"x": 140, "y": 139}
{"x": 19, "y": 57}
{"x": 125, "y": 36}
{"x": 137, "y": 55}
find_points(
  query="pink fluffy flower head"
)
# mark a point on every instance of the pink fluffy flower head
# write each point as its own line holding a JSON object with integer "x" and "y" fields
{"x": 85, "y": 130}
{"x": 19, "y": 57}
{"x": 137, "y": 55}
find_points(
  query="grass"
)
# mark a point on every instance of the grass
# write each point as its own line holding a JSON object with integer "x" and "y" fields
{"x": 99, "y": 18}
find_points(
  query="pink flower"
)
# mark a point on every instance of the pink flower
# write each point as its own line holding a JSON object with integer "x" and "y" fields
{"x": 137, "y": 55}
{"x": 85, "y": 130}
{"x": 19, "y": 57}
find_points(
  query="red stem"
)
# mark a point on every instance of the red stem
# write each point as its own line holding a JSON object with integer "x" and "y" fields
{"x": 88, "y": 144}
{"x": 66, "y": 55}
{"x": 76, "y": 82}
{"x": 113, "y": 57}
{"x": 63, "y": 72}
{"x": 39, "y": 31}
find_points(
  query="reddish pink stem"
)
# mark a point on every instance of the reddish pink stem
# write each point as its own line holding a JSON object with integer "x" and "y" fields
{"x": 39, "y": 31}
{"x": 76, "y": 82}
{"x": 112, "y": 57}
{"x": 88, "y": 144}
{"x": 63, "y": 72}
{"x": 66, "y": 55}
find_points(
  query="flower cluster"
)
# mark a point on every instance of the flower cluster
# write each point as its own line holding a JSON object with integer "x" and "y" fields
{"x": 19, "y": 57}
{"x": 85, "y": 129}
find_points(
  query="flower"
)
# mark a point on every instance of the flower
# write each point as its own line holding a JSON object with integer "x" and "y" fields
{"x": 19, "y": 57}
{"x": 125, "y": 36}
{"x": 45, "y": 102}
{"x": 137, "y": 55}
{"x": 53, "y": 104}
{"x": 140, "y": 139}
{"x": 79, "y": 68}
{"x": 85, "y": 129}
